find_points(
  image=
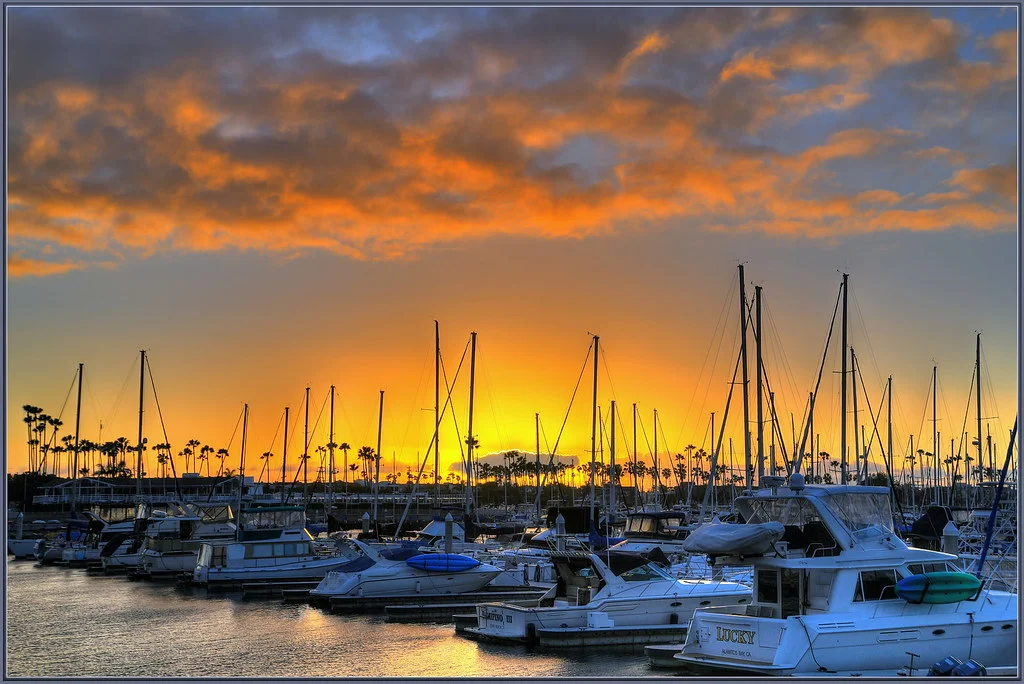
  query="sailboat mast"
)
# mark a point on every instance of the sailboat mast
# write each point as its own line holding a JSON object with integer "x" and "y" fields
{"x": 330, "y": 459}
{"x": 437, "y": 415}
{"x": 284, "y": 459}
{"x": 376, "y": 476}
{"x": 536, "y": 427}
{"x": 469, "y": 437}
{"x": 746, "y": 392}
{"x": 78, "y": 418}
{"x": 935, "y": 437}
{"x": 842, "y": 410}
{"x": 593, "y": 429}
{"x": 977, "y": 372}
{"x": 760, "y": 391}
{"x": 856, "y": 437}
{"x": 305, "y": 451}
{"x": 810, "y": 420}
{"x": 892, "y": 457}
{"x": 142, "y": 386}
{"x": 611, "y": 460}
{"x": 636, "y": 462}
{"x": 241, "y": 461}
{"x": 654, "y": 462}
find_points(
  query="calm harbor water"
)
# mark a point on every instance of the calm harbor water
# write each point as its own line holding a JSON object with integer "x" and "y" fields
{"x": 65, "y": 623}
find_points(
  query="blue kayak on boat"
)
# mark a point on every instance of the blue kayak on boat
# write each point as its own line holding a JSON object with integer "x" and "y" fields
{"x": 443, "y": 562}
{"x": 938, "y": 587}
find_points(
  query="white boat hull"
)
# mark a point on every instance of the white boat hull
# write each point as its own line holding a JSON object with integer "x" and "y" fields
{"x": 854, "y": 643}
{"x": 377, "y": 581}
{"x": 22, "y": 548}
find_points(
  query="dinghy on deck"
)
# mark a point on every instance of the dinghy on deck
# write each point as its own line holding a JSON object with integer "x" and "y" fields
{"x": 718, "y": 539}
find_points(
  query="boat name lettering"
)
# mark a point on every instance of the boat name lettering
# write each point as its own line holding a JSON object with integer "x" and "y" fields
{"x": 497, "y": 617}
{"x": 737, "y": 636}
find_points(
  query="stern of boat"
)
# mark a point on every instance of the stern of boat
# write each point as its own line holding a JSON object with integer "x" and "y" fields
{"x": 734, "y": 638}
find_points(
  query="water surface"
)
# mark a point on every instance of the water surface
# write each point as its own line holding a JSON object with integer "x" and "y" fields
{"x": 65, "y": 623}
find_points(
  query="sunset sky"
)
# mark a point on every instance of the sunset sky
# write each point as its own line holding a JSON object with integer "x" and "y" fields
{"x": 264, "y": 198}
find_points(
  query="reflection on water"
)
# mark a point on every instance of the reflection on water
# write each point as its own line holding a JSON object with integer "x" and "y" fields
{"x": 64, "y": 623}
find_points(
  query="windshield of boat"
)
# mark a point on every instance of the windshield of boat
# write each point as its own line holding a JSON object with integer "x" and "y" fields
{"x": 859, "y": 511}
{"x": 646, "y": 524}
{"x": 786, "y": 510}
{"x": 647, "y": 573}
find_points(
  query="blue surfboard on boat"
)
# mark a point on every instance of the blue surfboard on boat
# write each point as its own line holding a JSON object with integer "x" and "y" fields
{"x": 938, "y": 587}
{"x": 443, "y": 562}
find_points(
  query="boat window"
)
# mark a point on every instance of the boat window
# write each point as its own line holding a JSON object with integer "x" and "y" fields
{"x": 261, "y": 551}
{"x": 768, "y": 586}
{"x": 876, "y": 585}
{"x": 646, "y": 573}
{"x": 922, "y": 568}
{"x": 858, "y": 511}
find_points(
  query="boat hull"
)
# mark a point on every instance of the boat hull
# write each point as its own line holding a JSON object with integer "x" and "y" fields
{"x": 22, "y": 548}
{"x": 852, "y": 643}
{"x": 370, "y": 584}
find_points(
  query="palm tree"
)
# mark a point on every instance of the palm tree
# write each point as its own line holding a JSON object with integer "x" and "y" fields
{"x": 344, "y": 446}
{"x": 266, "y": 462}
{"x": 192, "y": 445}
{"x": 204, "y": 456}
{"x": 366, "y": 455}
{"x": 222, "y": 454}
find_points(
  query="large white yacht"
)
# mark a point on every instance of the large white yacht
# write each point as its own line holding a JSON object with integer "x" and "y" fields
{"x": 625, "y": 587}
{"x": 842, "y": 593}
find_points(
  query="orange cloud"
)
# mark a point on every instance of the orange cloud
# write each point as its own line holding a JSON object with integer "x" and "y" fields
{"x": 20, "y": 266}
{"x": 1000, "y": 179}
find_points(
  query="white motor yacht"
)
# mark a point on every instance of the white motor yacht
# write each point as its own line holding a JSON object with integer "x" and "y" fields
{"x": 627, "y": 588}
{"x": 840, "y": 592}
{"x": 403, "y": 572}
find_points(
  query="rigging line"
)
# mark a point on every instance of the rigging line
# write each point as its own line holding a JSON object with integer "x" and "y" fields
{"x": 431, "y": 445}
{"x": 732, "y": 345}
{"x": 558, "y": 438}
{"x": 949, "y": 414}
{"x": 654, "y": 464}
{"x": 163, "y": 427}
{"x": 777, "y": 348}
{"x": 92, "y": 397}
{"x": 867, "y": 339}
{"x": 266, "y": 461}
{"x": 960, "y": 449}
{"x": 817, "y": 383}
{"x": 924, "y": 413}
{"x": 290, "y": 438}
{"x": 124, "y": 385}
{"x": 498, "y": 420}
{"x": 449, "y": 389}
{"x": 416, "y": 412}
{"x": 721, "y": 434}
{"x": 711, "y": 345}
{"x": 317, "y": 422}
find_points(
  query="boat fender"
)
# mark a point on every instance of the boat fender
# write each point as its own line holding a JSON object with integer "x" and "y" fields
{"x": 673, "y": 619}
{"x": 531, "y": 633}
{"x": 417, "y": 586}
